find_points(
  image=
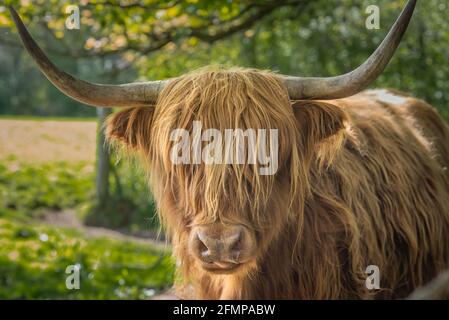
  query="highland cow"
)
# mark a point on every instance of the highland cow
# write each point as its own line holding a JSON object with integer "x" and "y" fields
{"x": 362, "y": 179}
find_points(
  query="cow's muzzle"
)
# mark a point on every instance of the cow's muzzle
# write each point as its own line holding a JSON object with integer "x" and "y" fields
{"x": 222, "y": 249}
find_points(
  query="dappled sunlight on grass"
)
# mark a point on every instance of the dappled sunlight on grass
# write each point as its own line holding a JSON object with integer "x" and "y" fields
{"x": 52, "y": 186}
{"x": 33, "y": 260}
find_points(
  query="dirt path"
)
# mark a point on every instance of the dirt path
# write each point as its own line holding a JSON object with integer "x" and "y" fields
{"x": 68, "y": 219}
{"x": 47, "y": 140}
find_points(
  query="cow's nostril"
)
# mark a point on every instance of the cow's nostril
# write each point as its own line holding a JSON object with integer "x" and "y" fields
{"x": 236, "y": 246}
{"x": 202, "y": 248}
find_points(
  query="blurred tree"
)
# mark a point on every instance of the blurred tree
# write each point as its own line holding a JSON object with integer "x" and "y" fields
{"x": 103, "y": 161}
{"x": 151, "y": 39}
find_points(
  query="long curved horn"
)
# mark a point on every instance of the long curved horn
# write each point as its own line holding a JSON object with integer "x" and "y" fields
{"x": 355, "y": 81}
{"x": 98, "y": 95}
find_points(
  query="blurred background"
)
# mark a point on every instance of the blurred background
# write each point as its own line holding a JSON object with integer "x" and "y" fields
{"x": 65, "y": 199}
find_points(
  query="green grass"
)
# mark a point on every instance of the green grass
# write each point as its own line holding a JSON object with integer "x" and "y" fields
{"x": 31, "y": 188}
{"x": 34, "y": 258}
{"x": 34, "y": 190}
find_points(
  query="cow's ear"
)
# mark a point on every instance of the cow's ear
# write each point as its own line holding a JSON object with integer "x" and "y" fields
{"x": 130, "y": 127}
{"x": 321, "y": 127}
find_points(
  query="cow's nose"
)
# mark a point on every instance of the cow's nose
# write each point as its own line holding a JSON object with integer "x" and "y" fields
{"x": 222, "y": 248}
{"x": 225, "y": 246}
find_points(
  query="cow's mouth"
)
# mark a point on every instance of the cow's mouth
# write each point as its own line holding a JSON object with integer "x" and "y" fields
{"x": 220, "y": 267}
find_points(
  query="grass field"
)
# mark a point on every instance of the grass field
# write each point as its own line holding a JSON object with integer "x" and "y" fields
{"x": 34, "y": 259}
{"x": 47, "y": 167}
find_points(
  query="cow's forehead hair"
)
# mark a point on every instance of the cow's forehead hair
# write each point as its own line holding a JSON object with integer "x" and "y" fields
{"x": 225, "y": 98}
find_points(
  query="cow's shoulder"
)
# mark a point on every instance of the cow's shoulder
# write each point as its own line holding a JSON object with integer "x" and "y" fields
{"x": 395, "y": 110}
{"x": 386, "y": 96}
{"x": 387, "y": 101}
{"x": 405, "y": 105}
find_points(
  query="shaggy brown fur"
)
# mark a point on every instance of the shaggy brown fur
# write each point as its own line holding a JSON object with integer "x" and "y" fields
{"x": 361, "y": 181}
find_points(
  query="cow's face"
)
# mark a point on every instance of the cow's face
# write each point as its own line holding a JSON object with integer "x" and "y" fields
{"x": 224, "y": 212}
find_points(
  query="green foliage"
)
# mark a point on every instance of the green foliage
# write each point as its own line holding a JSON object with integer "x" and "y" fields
{"x": 33, "y": 260}
{"x": 33, "y": 190}
{"x": 160, "y": 39}
{"x": 47, "y": 186}
{"x": 130, "y": 205}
